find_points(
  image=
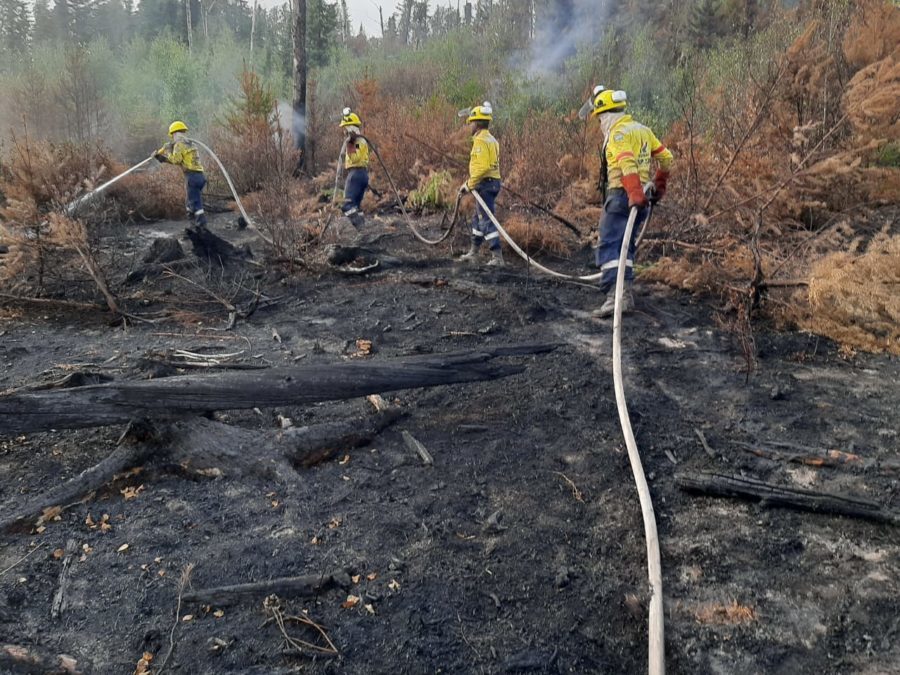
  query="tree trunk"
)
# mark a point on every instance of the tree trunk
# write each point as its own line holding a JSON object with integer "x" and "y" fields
{"x": 252, "y": 30}
{"x": 190, "y": 29}
{"x": 174, "y": 397}
{"x": 298, "y": 126}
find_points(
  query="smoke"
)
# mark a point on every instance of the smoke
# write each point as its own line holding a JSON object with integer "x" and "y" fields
{"x": 288, "y": 120}
{"x": 561, "y": 29}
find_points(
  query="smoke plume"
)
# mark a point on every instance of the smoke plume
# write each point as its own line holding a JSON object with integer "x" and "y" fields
{"x": 561, "y": 28}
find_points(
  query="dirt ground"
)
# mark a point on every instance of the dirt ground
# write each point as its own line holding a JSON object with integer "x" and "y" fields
{"x": 521, "y": 549}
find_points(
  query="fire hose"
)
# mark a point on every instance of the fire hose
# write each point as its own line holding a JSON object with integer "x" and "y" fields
{"x": 237, "y": 199}
{"x": 70, "y": 209}
{"x": 654, "y": 565}
{"x": 534, "y": 263}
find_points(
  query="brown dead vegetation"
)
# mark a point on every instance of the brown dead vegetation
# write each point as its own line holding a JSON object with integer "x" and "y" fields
{"x": 788, "y": 184}
{"x": 785, "y": 172}
{"x": 732, "y": 614}
{"x": 537, "y": 236}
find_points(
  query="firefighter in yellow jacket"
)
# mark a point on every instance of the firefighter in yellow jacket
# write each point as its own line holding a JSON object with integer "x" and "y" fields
{"x": 484, "y": 178}
{"x": 629, "y": 150}
{"x": 356, "y": 162}
{"x": 182, "y": 152}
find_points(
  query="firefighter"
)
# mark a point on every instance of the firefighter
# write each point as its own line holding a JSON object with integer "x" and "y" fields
{"x": 484, "y": 178}
{"x": 182, "y": 152}
{"x": 629, "y": 148}
{"x": 356, "y": 162}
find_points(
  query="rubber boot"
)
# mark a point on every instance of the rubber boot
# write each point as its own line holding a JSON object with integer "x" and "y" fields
{"x": 496, "y": 258}
{"x": 608, "y": 308}
{"x": 472, "y": 254}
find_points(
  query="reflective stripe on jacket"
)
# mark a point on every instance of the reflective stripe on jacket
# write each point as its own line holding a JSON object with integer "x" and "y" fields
{"x": 484, "y": 162}
{"x": 630, "y": 148}
{"x": 357, "y": 154}
{"x": 183, "y": 154}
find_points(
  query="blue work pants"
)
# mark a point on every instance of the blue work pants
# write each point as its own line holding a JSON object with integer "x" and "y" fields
{"x": 482, "y": 227}
{"x": 354, "y": 190}
{"x": 612, "y": 231}
{"x": 195, "y": 182}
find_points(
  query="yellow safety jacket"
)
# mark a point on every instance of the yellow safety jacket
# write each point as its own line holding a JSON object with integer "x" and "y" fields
{"x": 630, "y": 148}
{"x": 484, "y": 161}
{"x": 183, "y": 154}
{"x": 357, "y": 154}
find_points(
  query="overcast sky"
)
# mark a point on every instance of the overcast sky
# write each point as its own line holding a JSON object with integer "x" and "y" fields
{"x": 363, "y": 12}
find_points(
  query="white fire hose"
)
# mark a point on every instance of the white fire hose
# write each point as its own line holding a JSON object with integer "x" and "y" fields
{"x": 656, "y": 641}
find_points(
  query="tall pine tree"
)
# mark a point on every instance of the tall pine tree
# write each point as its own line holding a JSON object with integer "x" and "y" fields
{"x": 15, "y": 27}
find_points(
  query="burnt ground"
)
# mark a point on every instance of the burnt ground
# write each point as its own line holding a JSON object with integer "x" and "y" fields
{"x": 488, "y": 561}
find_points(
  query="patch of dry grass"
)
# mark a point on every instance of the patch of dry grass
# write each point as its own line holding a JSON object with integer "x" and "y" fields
{"x": 855, "y": 299}
{"x": 536, "y": 236}
{"x": 725, "y": 615}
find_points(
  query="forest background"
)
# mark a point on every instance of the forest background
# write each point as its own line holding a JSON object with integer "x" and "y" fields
{"x": 783, "y": 117}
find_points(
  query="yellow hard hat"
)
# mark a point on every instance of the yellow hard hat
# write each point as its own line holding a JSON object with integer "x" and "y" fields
{"x": 608, "y": 100}
{"x": 350, "y": 119}
{"x": 481, "y": 112}
{"x": 177, "y": 125}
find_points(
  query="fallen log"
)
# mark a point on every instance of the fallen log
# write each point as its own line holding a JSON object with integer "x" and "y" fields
{"x": 208, "y": 448}
{"x": 173, "y": 397}
{"x": 770, "y": 494}
{"x": 305, "y": 586}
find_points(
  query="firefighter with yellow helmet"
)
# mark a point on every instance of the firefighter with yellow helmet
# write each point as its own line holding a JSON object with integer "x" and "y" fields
{"x": 356, "y": 162}
{"x": 629, "y": 150}
{"x": 182, "y": 152}
{"x": 484, "y": 178}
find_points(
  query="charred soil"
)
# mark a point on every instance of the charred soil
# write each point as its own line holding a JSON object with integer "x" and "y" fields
{"x": 520, "y": 549}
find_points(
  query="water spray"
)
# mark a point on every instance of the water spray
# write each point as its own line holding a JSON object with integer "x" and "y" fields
{"x": 71, "y": 208}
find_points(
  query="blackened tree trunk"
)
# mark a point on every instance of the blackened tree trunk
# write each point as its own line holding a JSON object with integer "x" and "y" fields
{"x": 298, "y": 126}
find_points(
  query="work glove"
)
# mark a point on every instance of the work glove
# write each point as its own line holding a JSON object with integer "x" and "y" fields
{"x": 658, "y": 191}
{"x": 464, "y": 189}
{"x": 635, "y": 191}
{"x": 159, "y": 157}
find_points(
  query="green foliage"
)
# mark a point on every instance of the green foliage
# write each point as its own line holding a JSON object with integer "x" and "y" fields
{"x": 430, "y": 196}
{"x": 888, "y": 155}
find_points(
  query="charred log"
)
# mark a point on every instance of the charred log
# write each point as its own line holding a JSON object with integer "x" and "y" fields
{"x": 305, "y": 586}
{"x": 183, "y": 396}
{"x": 769, "y": 494}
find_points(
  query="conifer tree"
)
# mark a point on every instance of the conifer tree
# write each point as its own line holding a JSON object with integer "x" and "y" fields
{"x": 15, "y": 26}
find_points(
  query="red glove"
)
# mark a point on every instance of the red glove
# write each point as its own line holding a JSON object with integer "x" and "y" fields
{"x": 632, "y": 184}
{"x": 659, "y": 185}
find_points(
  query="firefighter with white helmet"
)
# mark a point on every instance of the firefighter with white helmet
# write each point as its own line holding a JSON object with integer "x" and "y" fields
{"x": 356, "y": 162}
{"x": 182, "y": 152}
{"x": 629, "y": 150}
{"x": 484, "y": 178}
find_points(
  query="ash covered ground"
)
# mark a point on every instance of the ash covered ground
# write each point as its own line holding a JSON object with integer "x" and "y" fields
{"x": 521, "y": 548}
